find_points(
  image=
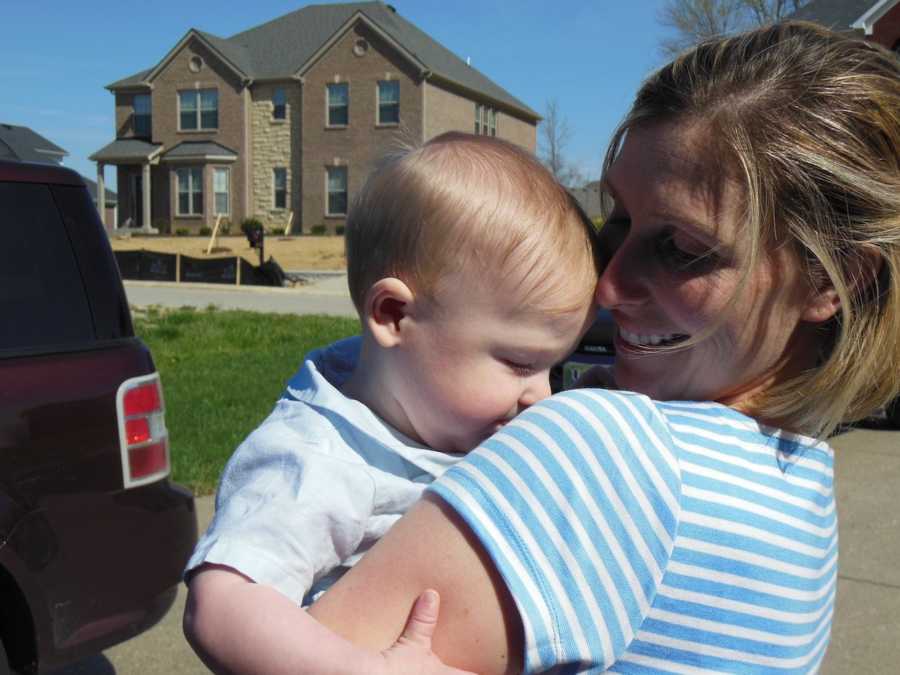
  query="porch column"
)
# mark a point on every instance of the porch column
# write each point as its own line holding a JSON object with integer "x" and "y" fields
{"x": 147, "y": 196}
{"x": 101, "y": 197}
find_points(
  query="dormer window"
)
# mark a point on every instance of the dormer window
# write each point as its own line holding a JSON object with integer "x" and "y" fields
{"x": 198, "y": 110}
{"x": 141, "y": 118}
{"x": 279, "y": 104}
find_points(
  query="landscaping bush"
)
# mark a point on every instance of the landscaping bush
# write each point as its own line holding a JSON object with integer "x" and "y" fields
{"x": 205, "y": 231}
{"x": 163, "y": 225}
{"x": 317, "y": 230}
{"x": 182, "y": 232}
{"x": 250, "y": 225}
{"x": 276, "y": 231}
{"x": 225, "y": 227}
{"x": 339, "y": 230}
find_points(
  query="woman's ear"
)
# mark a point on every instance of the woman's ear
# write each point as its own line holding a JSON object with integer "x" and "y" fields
{"x": 863, "y": 272}
{"x": 388, "y": 302}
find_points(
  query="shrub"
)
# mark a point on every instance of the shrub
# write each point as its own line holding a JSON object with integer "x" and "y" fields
{"x": 275, "y": 230}
{"x": 339, "y": 230}
{"x": 163, "y": 225}
{"x": 250, "y": 225}
{"x": 225, "y": 227}
{"x": 182, "y": 232}
{"x": 205, "y": 231}
{"x": 317, "y": 230}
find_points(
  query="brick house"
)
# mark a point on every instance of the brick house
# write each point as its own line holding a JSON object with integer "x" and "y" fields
{"x": 289, "y": 116}
{"x": 876, "y": 20}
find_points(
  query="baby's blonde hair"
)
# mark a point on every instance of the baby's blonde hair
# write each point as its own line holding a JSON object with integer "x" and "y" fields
{"x": 470, "y": 203}
{"x": 809, "y": 122}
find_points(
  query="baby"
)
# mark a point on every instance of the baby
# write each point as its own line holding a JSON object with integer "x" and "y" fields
{"x": 473, "y": 273}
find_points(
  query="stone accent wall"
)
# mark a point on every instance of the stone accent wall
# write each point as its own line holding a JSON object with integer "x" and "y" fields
{"x": 362, "y": 141}
{"x": 274, "y": 143}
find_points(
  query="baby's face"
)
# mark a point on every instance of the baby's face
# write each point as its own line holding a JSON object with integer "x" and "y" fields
{"x": 476, "y": 360}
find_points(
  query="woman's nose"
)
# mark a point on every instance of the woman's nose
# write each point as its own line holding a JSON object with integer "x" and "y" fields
{"x": 622, "y": 281}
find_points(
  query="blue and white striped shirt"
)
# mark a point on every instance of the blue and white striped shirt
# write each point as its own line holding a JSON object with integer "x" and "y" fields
{"x": 645, "y": 537}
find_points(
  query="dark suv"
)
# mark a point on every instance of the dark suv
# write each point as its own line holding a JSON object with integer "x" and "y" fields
{"x": 93, "y": 536}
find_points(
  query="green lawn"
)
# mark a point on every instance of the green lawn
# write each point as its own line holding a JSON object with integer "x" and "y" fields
{"x": 222, "y": 371}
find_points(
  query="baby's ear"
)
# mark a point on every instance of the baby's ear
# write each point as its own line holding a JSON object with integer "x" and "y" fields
{"x": 388, "y": 302}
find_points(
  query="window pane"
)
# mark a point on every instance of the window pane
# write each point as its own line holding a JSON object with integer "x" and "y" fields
{"x": 42, "y": 296}
{"x": 220, "y": 180}
{"x": 337, "y": 190}
{"x": 337, "y": 179}
{"x": 221, "y": 203}
{"x": 209, "y": 99}
{"x": 141, "y": 104}
{"x": 183, "y": 180}
{"x": 183, "y": 202}
{"x": 279, "y": 104}
{"x": 337, "y": 203}
{"x": 188, "y": 120}
{"x": 338, "y": 104}
{"x": 197, "y": 179}
{"x": 187, "y": 100}
{"x": 338, "y": 94}
{"x": 477, "y": 119}
{"x": 209, "y": 119}
{"x": 280, "y": 179}
{"x": 389, "y": 102}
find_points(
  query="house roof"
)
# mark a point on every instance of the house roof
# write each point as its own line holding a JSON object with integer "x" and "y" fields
{"x": 835, "y": 14}
{"x": 203, "y": 150}
{"x": 17, "y": 142}
{"x": 283, "y": 47}
{"x": 127, "y": 150}
{"x": 111, "y": 197}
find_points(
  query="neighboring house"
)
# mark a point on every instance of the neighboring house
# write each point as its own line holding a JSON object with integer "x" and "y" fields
{"x": 877, "y": 20}
{"x": 589, "y": 197}
{"x": 23, "y": 144}
{"x": 290, "y": 116}
{"x": 111, "y": 218}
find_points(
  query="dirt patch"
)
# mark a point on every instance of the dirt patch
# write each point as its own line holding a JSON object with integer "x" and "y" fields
{"x": 292, "y": 253}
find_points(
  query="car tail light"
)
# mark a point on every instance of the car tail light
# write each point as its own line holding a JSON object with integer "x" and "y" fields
{"x": 142, "y": 430}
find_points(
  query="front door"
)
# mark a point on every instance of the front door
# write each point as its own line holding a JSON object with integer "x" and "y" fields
{"x": 137, "y": 201}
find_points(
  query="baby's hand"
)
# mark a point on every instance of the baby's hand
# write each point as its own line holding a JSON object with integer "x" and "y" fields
{"x": 598, "y": 377}
{"x": 411, "y": 654}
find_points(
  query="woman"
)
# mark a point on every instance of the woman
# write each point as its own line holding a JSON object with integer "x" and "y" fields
{"x": 755, "y": 243}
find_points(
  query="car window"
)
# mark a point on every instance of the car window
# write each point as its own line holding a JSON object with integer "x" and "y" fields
{"x": 42, "y": 297}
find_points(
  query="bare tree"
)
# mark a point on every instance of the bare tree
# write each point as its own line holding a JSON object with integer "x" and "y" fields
{"x": 696, "y": 20}
{"x": 554, "y": 136}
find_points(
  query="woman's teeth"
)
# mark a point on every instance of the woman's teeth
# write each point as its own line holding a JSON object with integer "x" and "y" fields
{"x": 638, "y": 340}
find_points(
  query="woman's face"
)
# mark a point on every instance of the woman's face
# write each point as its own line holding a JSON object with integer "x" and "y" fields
{"x": 676, "y": 245}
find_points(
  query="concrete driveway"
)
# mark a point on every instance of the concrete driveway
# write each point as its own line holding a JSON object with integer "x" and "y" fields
{"x": 866, "y": 634}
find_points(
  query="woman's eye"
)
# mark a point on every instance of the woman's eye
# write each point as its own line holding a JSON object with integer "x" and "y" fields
{"x": 679, "y": 258}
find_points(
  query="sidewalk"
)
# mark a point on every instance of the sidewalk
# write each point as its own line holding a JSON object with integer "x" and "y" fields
{"x": 324, "y": 294}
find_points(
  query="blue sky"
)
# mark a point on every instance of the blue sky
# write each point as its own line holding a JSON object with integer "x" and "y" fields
{"x": 56, "y": 56}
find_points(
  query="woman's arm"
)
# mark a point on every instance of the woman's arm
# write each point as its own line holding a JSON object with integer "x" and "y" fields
{"x": 479, "y": 628}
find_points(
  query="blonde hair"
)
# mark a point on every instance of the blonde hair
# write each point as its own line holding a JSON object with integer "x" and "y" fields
{"x": 809, "y": 122}
{"x": 464, "y": 202}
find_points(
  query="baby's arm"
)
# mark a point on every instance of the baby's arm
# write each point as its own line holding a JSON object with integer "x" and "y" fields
{"x": 238, "y": 626}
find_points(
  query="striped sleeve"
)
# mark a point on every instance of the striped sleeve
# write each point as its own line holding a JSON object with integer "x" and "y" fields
{"x": 577, "y": 502}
